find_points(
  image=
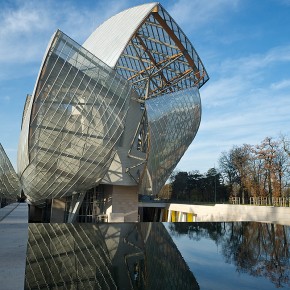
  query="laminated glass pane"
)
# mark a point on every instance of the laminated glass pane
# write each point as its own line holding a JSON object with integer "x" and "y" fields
{"x": 77, "y": 116}
{"x": 173, "y": 123}
{"x": 9, "y": 181}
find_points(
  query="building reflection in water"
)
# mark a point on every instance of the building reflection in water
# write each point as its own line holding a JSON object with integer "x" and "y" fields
{"x": 104, "y": 256}
{"x": 258, "y": 249}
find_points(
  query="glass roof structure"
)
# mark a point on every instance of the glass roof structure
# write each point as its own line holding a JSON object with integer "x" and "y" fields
{"x": 120, "y": 109}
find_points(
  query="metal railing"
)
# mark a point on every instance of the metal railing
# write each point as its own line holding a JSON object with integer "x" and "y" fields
{"x": 274, "y": 201}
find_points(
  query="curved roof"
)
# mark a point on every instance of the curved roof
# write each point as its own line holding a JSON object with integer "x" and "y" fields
{"x": 109, "y": 40}
{"x": 144, "y": 42}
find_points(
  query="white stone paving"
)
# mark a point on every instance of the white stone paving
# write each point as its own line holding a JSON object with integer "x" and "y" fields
{"x": 13, "y": 246}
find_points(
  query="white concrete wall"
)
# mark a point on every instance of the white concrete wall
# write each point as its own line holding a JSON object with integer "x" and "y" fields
{"x": 228, "y": 212}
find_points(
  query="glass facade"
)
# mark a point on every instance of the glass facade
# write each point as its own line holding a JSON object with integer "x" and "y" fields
{"x": 93, "y": 206}
{"x": 77, "y": 116}
{"x": 9, "y": 181}
{"x": 173, "y": 123}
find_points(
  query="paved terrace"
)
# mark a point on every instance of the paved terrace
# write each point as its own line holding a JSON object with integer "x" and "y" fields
{"x": 13, "y": 245}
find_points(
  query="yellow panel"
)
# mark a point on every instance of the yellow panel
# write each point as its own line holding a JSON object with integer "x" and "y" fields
{"x": 190, "y": 217}
{"x": 173, "y": 216}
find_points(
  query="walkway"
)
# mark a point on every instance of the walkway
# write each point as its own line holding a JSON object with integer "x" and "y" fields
{"x": 13, "y": 245}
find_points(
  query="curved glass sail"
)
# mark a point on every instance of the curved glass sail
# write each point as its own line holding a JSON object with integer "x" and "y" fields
{"x": 173, "y": 123}
{"x": 9, "y": 181}
{"x": 162, "y": 65}
{"x": 76, "y": 117}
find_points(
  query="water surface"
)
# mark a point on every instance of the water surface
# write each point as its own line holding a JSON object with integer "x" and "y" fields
{"x": 148, "y": 256}
{"x": 244, "y": 255}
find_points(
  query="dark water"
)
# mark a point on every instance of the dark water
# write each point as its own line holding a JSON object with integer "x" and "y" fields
{"x": 244, "y": 255}
{"x": 158, "y": 256}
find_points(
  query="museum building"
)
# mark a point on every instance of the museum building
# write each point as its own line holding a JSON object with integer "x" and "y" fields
{"x": 108, "y": 120}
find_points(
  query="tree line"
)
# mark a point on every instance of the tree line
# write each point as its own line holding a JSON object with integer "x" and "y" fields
{"x": 246, "y": 171}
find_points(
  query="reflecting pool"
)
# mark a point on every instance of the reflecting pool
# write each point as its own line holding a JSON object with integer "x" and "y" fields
{"x": 243, "y": 255}
{"x": 157, "y": 256}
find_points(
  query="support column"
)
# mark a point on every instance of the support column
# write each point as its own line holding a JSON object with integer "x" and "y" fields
{"x": 124, "y": 204}
{"x": 184, "y": 216}
{"x": 76, "y": 203}
{"x": 161, "y": 215}
{"x": 179, "y": 216}
{"x": 169, "y": 216}
{"x": 57, "y": 210}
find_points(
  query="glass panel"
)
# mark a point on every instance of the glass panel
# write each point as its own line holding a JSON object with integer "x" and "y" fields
{"x": 77, "y": 117}
{"x": 9, "y": 181}
{"x": 173, "y": 123}
{"x": 162, "y": 51}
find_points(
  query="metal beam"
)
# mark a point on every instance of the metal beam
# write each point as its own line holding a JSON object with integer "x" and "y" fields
{"x": 150, "y": 57}
{"x": 171, "y": 59}
{"x": 179, "y": 44}
{"x": 171, "y": 81}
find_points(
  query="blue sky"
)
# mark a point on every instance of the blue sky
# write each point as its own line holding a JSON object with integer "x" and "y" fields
{"x": 244, "y": 45}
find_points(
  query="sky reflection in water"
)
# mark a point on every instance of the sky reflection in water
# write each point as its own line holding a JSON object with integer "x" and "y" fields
{"x": 235, "y": 255}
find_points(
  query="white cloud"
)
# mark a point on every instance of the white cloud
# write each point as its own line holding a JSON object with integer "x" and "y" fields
{"x": 25, "y": 19}
{"x": 26, "y": 27}
{"x": 255, "y": 62}
{"x": 222, "y": 91}
{"x": 5, "y": 98}
{"x": 281, "y": 85}
{"x": 244, "y": 78}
